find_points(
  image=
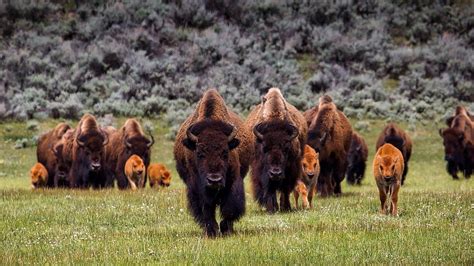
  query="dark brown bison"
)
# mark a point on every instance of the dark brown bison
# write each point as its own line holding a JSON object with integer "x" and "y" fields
{"x": 44, "y": 151}
{"x": 63, "y": 153}
{"x": 397, "y": 137}
{"x": 212, "y": 152}
{"x": 330, "y": 134}
{"x": 356, "y": 159}
{"x": 456, "y": 149}
{"x": 87, "y": 167}
{"x": 278, "y": 141}
{"x": 123, "y": 143}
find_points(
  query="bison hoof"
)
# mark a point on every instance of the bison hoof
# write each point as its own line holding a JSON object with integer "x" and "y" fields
{"x": 227, "y": 227}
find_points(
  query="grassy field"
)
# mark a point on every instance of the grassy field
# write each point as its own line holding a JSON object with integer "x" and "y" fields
{"x": 436, "y": 222}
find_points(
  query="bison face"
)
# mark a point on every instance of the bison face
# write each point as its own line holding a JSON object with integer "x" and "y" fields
{"x": 453, "y": 141}
{"x": 317, "y": 140}
{"x": 92, "y": 148}
{"x": 387, "y": 169}
{"x": 140, "y": 146}
{"x": 211, "y": 142}
{"x": 274, "y": 143}
{"x": 310, "y": 165}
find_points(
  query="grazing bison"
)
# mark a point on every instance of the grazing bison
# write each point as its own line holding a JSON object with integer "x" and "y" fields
{"x": 158, "y": 174}
{"x": 306, "y": 186}
{"x": 397, "y": 137}
{"x": 330, "y": 134}
{"x": 212, "y": 152}
{"x": 39, "y": 176}
{"x": 278, "y": 141}
{"x": 87, "y": 167}
{"x": 135, "y": 172}
{"x": 356, "y": 159}
{"x": 388, "y": 169}
{"x": 125, "y": 142}
{"x": 456, "y": 148}
{"x": 44, "y": 151}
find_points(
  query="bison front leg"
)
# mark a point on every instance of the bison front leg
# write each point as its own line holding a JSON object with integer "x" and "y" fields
{"x": 285, "y": 201}
{"x": 393, "y": 206}
{"x": 209, "y": 221}
{"x": 311, "y": 193}
{"x": 296, "y": 195}
{"x": 232, "y": 207}
{"x": 271, "y": 202}
{"x": 383, "y": 199}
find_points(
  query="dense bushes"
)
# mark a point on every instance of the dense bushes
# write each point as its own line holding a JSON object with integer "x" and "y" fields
{"x": 402, "y": 60}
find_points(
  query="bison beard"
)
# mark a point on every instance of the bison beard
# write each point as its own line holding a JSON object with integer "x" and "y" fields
{"x": 212, "y": 175}
{"x": 276, "y": 166}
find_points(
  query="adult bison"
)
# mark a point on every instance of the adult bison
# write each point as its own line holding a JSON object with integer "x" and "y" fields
{"x": 397, "y": 137}
{"x": 45, "y": 152}
{"x": 127, "y": 141}
{"x": 278, "y": 141}
{"x": 357, "y": 159}
{"x": 330, "y": 134}
{"x": 456, "y": 141}
{"x": 212, "y": 157}
{"x": 87, "y": 167}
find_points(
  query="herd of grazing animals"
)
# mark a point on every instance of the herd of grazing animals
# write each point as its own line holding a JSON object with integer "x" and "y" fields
{"x": 286, "y": 151}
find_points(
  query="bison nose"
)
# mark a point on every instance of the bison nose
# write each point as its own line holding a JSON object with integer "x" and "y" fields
{"x": 95, "y": 166}
{"x": 214, "y": 178}
{"x": 275, "y": 172}
{"x": 310, "y": 174}
{"x": 139, "y": 172}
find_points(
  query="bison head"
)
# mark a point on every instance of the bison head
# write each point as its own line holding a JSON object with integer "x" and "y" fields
{"x": 211, "y": 141}
{"x": 91, "y": 144}
{"x": 453, "y": 141}
{"x": 317, "y": 139}
{"x": 387, "y": 168}
{"x": 274, "y": 143}
{"x": 310, "y": 162}
{"x": 140, "y": 146}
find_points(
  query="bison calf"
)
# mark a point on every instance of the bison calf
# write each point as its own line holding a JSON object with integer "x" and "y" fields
{"x": 158, "y": 175}
{"x": 135, "y": 172}
{"x": 39, "y": 176}
{"x": 356, "y": 159}
{"x": 306, "y": 186}
{"x": 388, "y": 170}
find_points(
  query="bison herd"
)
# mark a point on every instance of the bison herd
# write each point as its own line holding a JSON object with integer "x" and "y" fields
{"x": 286, "y": 151}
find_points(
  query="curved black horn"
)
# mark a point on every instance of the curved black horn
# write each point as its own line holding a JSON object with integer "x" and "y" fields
{"x": 106, "y": 137}
{"x": 256, "y": 132}
{"x": 80, "y": 143}
{"x": 152, "y": 139}
{"x": 233, "y": 133}
{"x": 190, "y": 135}
{"x": 323, "y": 137}
{"x": 128, "y": 144}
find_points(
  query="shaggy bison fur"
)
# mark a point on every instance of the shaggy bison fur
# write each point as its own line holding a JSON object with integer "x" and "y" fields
{"x": 212, "y": 154}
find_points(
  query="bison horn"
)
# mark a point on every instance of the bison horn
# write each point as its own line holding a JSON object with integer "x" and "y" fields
{"x": 256, "y": 132}
{"x": 191, "y": 136}
{"x": 152, "y": 140}
{"x": 232, "y": 134}
{"x": 128, "y": 144}
{"x": 323, "y": 137}
{"x": 106, "y": 137}
{"x": 80, "y": 143}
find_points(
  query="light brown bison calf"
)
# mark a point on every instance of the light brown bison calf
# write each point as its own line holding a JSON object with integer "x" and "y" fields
{"x": 306, "y": 186}
{"x": 388, "y": 170}
{"x": 135, "y": 172}
{"x": 39, "y": 176}
{"x": 158, "y": 174}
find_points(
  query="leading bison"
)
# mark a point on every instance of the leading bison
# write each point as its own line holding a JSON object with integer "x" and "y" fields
{"x": 127, "y": 141}
{"x": 330, "y": 134}
{"x": 279, "y": 138}
{"x": 87, "y": 168}
{"x": 212, "y": 155}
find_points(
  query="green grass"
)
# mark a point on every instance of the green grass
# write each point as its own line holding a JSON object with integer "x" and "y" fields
{"x": 153, "y": 226}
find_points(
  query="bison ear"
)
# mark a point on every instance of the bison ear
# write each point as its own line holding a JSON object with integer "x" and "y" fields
{"x": 233, "y": 143}
{"x": 189, "y": 144}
